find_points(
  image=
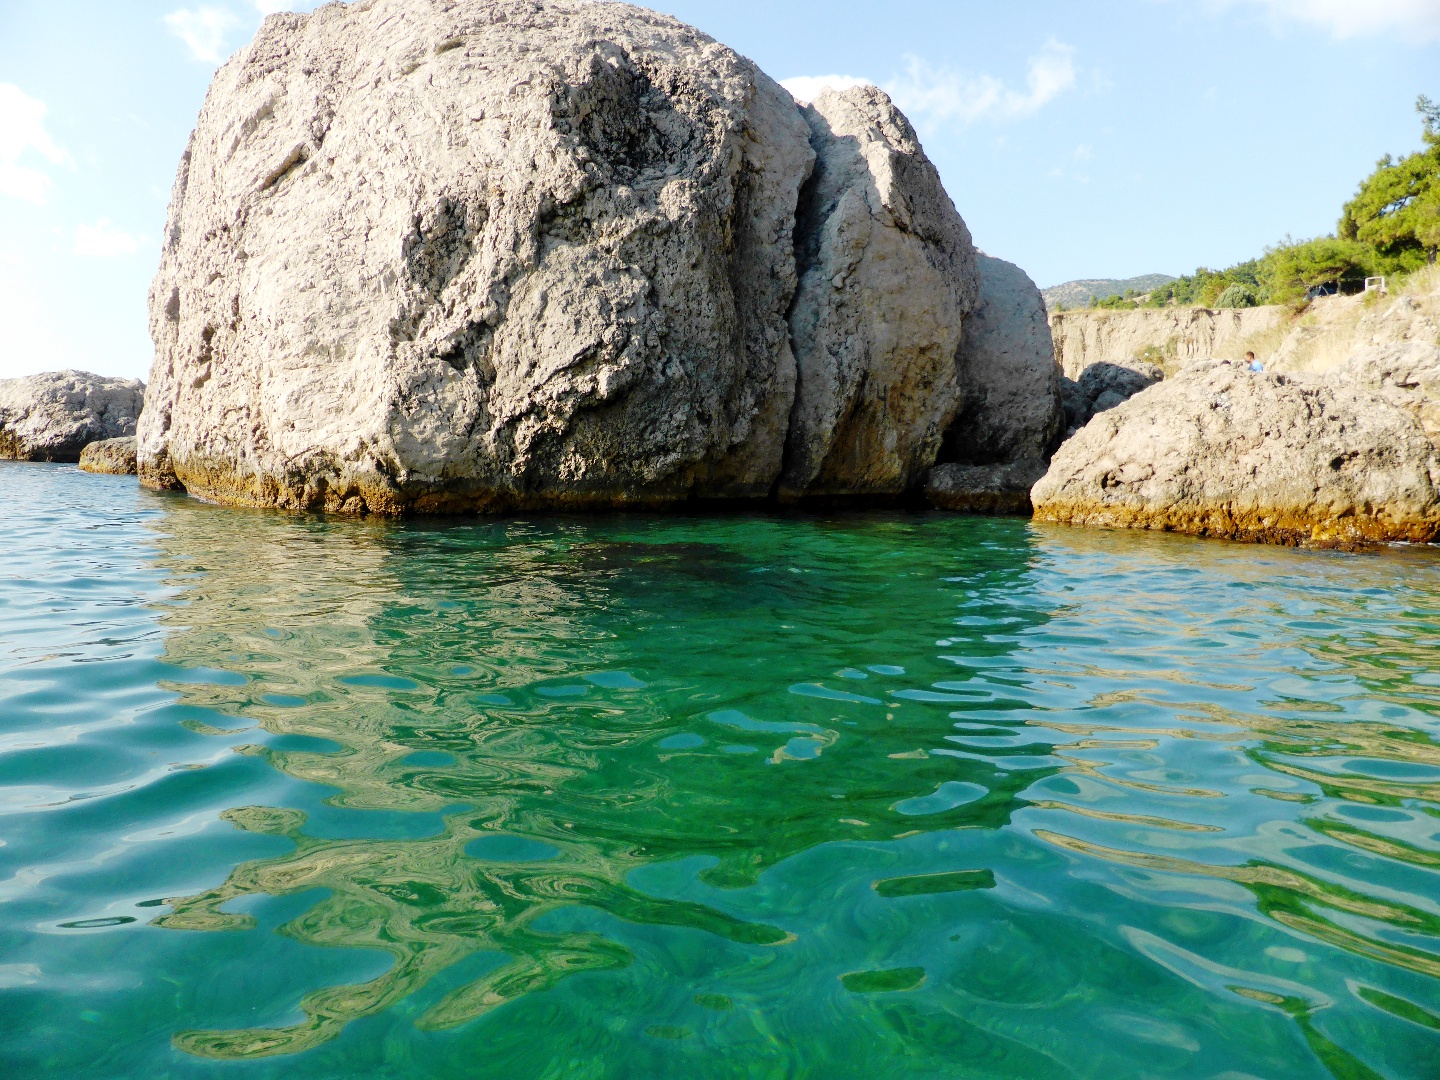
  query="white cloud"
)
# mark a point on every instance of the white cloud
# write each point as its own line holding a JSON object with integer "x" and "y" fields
{"x": 22, "y": 131}
{"x": 1418, "y": 20}
{"x": 943, "y": 95}
{"x": 203, "y": 31}
{"x": 269, "y": 7}
{"x": 808, "y": 87}
{"x": 104, "y": 241}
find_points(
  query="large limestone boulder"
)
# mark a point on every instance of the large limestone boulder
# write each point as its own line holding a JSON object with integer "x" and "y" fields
{"x": 1009, "y": 388}
{"x": 1009, "y": 380}
{"x": 430, "y": 255}
{"x": 887, "y": 277}
{"x": 53, "y": 416}
{"x": 1223, "y": 451}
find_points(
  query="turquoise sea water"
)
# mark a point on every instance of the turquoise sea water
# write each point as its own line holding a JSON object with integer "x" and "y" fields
{"x": 868, "y": 795}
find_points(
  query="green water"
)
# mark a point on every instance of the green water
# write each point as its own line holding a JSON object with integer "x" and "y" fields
{"x": 868, "y": 795}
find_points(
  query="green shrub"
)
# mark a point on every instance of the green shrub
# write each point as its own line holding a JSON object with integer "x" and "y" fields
{"x": 1291, "y": 269}
{"x": 1237, "y": 295}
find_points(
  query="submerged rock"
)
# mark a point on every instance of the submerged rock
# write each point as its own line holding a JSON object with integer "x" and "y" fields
{"x": 496, "y": 253}
{"x": 113, "y": 456}
{"x": 55, "y": 415}
{"x": 1222, "y": 451}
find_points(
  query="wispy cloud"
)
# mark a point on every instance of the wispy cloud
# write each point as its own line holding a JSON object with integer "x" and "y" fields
{"x": 22, "y": 133}
{"x": 104, "y": 241}
{"x": 944, "y": 95}
{"x": 1417, "y": 20}
{"x": 204, "y": 31}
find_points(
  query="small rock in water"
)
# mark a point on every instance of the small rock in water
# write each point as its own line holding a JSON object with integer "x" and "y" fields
{"x": 113, "y": 456}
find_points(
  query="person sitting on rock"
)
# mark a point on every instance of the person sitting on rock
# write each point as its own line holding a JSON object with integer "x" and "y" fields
{"x": 1252, "y": 363}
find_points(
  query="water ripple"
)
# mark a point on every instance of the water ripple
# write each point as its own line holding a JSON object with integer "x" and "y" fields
{"x": 708, "y": 797}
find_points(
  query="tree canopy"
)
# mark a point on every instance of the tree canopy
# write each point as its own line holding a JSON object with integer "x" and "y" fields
{"x": 1397, "y": 209}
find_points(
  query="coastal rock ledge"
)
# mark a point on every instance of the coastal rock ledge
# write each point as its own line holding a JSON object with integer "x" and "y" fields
{"x": 498, "y": 254}
{"x": 1223, "y": 451}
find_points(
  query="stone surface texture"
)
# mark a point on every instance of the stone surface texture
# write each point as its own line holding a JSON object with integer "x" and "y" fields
{"x": 1011, "y": 406}
{"x": 887, "y": 276}
{"x": 1102, "y": 386}
{"x": 1222, "y": 451}
{"x": 54, "y": 416}
{"x": 489, "y": 254}
{"x": 115, "y": 457}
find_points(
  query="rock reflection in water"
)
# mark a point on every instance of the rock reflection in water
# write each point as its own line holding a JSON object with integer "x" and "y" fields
{"x": 585, "y": 689}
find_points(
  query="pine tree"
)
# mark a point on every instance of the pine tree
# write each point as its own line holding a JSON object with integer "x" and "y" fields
{"x": 1397, "y": 209}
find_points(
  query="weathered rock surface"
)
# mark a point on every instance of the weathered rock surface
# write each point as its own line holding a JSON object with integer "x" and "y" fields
{"x": 493, "y": 253}
{"x": 53, "y": 416}
{"x": 1222, "y": 451}
{"x": 887, "y": 276}
{"x": 984, "y": 489}
{"x": 1102, "y": 386}
{"x": 1011, "y": 410}
{"x": 113, "y": 456}
{"x": 1009, "y": 383}
{"x": 1406, "y": 374}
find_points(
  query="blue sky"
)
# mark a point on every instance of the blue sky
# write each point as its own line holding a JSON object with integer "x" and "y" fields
{"x": 1077, "y": 138}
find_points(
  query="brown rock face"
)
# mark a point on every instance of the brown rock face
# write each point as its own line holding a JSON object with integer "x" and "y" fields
{"x": 486, "y": 254}
{"x": 1221, "y": 451}
{"x": 115, "y": 457}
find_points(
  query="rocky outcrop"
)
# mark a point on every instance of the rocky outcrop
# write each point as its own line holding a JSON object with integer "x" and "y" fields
{"x": 115, "y": 457}
{"x": 54, "y": 416}
{"x": 887, "y": 277}
{"x": 1009, "y": 383}
{"x": 1011, "y": 410}
{"x": 1103, "y": 386}
{"x": 1406, "y": 374}
{"x": 1167, "y": 337}
{"x": 495, "y": 253}
{"x": 1223, "y": 451}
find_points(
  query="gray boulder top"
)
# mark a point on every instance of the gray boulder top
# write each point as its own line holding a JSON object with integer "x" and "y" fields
{"x": 486, "y": 254}
{"x": 55, "y": 415}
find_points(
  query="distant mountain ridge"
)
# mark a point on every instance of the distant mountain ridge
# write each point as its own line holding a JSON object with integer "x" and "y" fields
{"x": 1075, "y": 294}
